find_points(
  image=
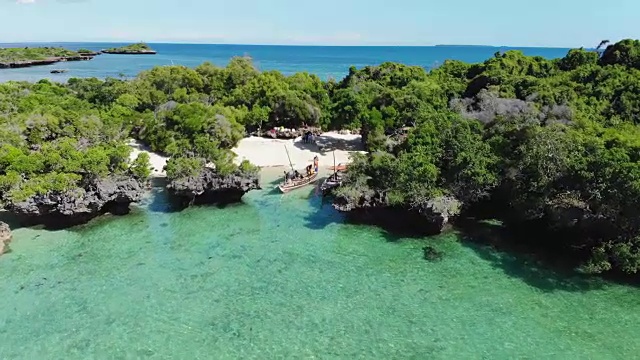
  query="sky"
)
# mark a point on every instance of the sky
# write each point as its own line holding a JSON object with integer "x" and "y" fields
{"x": 552, "y": 23}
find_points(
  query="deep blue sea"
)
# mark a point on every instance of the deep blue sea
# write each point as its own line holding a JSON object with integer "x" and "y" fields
{"x": 324, "y": 61}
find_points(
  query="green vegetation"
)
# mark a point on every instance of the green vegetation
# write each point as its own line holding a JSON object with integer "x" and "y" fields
{"x": 52, "y": 141}
{"x": 535, "y": 143}
{"x": 539, "y": 144}
{"x": 13, "y": 55}
{"x": 133, "y": 48}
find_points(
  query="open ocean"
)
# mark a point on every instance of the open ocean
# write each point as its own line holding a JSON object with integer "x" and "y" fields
{"x": 324, "y": 61}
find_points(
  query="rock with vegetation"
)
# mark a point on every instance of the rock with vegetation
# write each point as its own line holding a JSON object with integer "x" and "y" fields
{"x": 80, "y": 204}
{"x": 430, "y": 253}
{"x": 63, "y": 161}
{"x": 5, "y": 236}
{"x": 192, "y": 181}
{"x": 133, "y": 49}
{"x": 373, "y": 206}
{"x": 33, "y": 56}
{"x": 88, "y": 52}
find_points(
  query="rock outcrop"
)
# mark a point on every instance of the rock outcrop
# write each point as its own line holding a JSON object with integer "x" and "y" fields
{"x": 209, "y": 187}
{"x": 5, "y": 236}
{"x": 112, "y": 194}
{"x": 373, "y": 207}
{"x": 47, "y": 61}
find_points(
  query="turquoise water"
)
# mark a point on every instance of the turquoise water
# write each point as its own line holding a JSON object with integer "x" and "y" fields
{"x": 324, "y": 61}
{"x": 283, "y": 277}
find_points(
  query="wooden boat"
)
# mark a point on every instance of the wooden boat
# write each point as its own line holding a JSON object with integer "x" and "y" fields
{"x": 297, "y": 184}
{"x": 330, "y": 183}
{"x": 335, "y": 179}
{"x": 58, "y": 71}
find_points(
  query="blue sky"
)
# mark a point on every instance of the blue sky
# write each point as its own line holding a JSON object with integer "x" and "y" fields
{"x": 560, "y": 23}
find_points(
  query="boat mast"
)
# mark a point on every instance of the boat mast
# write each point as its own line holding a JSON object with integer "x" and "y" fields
{"x": 290, "y": 163}
{"x": 335, "y": 169}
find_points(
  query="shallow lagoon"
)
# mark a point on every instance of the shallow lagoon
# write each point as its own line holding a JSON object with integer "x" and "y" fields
{"x": 284, "y": 277}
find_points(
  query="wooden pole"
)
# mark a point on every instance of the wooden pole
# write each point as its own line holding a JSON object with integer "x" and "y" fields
{"x": 335, "y": 168}
{"x": 290, "y": 163}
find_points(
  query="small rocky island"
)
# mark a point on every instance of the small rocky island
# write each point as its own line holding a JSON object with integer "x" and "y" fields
{"x": 36, "y": 56}
{"x": 60, "y": 209}
{"x": 133, "y": 49}
{"x": 210, "y": 187}
{"x": 372, "y": 206}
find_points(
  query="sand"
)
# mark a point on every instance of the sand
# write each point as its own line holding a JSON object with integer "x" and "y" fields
{"x": 157, "y": 161}
{"x": 265, "y": 152}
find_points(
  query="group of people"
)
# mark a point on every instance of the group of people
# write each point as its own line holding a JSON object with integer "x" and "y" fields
{"x": 307, "y": 137}
{"x": 296, "y": 175}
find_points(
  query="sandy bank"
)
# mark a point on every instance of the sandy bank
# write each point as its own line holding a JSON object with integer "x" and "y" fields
{"x": 157, "y": 161}
{"x": 271, "y": 152}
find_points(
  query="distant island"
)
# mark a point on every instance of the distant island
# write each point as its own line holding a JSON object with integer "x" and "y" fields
{"x": 34, "y": 56}
{"x": 133, "y": 49}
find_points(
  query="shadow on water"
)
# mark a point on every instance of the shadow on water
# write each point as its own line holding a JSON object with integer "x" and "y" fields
{"x": 160, "y": 201}
{"x": 491, "y": 242}
{"x": 324, "y": 214}
{"x": 11, "y": 220}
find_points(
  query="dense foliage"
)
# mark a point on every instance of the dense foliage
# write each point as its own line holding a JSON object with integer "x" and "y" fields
{"x": 541, "y": 144}
{"x": 197, "y": 115}
{"x": 13, "y": 55}
{"x": 52, "y": 141}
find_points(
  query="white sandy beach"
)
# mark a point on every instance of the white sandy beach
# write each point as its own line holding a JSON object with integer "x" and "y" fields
{"x": 265, "y": 152}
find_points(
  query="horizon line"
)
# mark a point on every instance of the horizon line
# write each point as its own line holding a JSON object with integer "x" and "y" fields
{"x": 291, "y": 45}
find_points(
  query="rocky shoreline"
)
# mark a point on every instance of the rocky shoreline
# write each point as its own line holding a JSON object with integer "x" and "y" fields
{"x": 209, "y": 187}
{"x": 60, "y": 210}
{"x": 115, "y": 194}
{"x": 431, "y": 218}
{"x": 47, "y": 61}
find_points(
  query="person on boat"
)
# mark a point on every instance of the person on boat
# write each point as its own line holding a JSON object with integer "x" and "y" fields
{"x": 315, "y": 163}
{"x": 309, "y": 167}
{"x": 297, "y": 175}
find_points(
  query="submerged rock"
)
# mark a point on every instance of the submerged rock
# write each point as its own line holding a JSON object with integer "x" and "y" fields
{"x": 112, "y": 194}
{"x": 209, "y": 187}
{"x": 5, "y": 236}
{"x": 372, "y": 206}
{"x": 431, "y": 254}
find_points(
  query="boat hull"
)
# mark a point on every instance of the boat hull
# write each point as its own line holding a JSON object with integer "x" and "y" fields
{"x": 329, "y": 185}
{"x": 285, "y": 188}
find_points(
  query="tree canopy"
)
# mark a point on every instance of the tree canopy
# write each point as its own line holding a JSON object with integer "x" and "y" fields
{"x": 551, "y": 144}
